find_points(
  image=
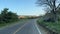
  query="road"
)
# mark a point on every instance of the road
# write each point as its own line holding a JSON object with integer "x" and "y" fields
{"x": 27, "y": 28}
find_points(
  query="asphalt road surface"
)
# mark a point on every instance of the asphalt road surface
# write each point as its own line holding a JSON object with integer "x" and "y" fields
{"x": 27, "y": 28}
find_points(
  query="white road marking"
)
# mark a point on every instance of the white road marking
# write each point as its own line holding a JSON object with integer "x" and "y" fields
{"x": 38, "y": 28}
{"x": 19, "y": 28}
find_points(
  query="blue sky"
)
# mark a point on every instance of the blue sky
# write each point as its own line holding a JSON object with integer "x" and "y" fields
{"x": 22, "y": 7}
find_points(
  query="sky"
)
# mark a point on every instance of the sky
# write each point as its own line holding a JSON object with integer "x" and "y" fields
{"x": 22, "y": 7}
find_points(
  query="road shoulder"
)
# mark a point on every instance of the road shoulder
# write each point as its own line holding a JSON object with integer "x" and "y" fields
{"x": 13, "y": 24}
{"x": 42, "y": 30}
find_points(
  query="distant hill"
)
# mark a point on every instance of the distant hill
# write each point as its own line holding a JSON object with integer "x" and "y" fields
{"x": 23, "y": 16}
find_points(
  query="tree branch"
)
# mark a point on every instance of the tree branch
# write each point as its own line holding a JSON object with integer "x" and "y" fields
{"x": 58, "y": 7}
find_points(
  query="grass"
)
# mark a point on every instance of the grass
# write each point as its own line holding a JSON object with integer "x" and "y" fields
{"x": 14, "y": 22}
{"x": 55, "y": 27}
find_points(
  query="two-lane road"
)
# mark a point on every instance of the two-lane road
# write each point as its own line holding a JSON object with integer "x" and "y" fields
{"x": 28, "y": 28}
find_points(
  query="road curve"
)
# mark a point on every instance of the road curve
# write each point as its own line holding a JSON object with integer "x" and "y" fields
{"x": 28, "y": 28}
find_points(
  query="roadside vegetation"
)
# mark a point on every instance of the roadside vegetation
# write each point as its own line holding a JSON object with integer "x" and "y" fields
{"x": 51, "y": 20}
{"x": 7, "y": 17}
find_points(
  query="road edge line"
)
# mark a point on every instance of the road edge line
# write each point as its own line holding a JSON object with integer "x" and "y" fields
{"x": 38, "y": 28}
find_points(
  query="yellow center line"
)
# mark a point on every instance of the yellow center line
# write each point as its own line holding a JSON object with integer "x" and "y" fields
{"x": 19, "y": 28}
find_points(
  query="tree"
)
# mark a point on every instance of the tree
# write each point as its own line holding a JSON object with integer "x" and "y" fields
{"x": 5, "y": 11}
{"x": 7, "y": 16}
{"x": 52, "y": 5}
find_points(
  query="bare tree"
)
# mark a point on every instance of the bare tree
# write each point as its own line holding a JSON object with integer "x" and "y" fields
{"x": 53, "y": 5}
